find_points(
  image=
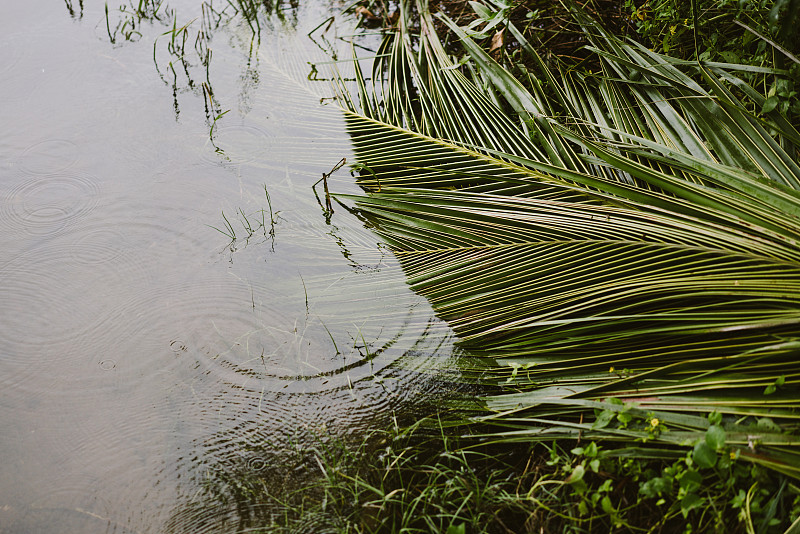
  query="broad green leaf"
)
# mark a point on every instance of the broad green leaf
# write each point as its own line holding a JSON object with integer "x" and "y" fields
{"x": 576, "y": 475}
{"x": 690, "y": 502}
{"x": 704, "y": 456}
{"x": 691, "y": 481}
{"x": 605, "y": 504}
{"x": 715, "y": 437}
{"x": 603, "y": 420}
{"x": 770, "y": 104}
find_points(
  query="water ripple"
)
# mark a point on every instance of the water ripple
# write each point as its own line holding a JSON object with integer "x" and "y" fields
{"x": 98, "y": 245}
{"x": 49, "y": 157}
{"x": 236, "y": 144}
{"x": 13, "y": 51}
{"x": 44, "y": 300}
{"x": 44, "y": 205}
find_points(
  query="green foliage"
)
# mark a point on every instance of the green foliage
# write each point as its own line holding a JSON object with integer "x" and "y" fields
{"x": 570, "y": 224}
{"x": 669, "y": 26}
{"x": 759, "y": 36}
{"x": 428, "y": 478}
{"x": 707, "y": 486}
{"x": 566, "y": 237}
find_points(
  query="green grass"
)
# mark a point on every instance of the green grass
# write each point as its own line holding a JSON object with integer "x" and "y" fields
{"x": 426, "y": 478}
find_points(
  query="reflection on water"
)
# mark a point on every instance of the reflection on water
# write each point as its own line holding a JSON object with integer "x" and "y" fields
{"x": 153, "y": 370}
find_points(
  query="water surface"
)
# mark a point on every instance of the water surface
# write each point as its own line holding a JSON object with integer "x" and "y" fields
{"x": 145, "y": 357}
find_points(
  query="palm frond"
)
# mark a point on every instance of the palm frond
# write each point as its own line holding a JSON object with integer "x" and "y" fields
{"x": 636, "y": 237}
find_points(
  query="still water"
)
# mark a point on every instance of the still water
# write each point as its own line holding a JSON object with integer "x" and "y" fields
{"x": 144, "y": 355}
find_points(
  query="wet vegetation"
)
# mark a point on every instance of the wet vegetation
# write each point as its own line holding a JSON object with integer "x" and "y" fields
{"x": 591, "y": 224}
{"x": 603, "y": 201}
{"x": 413, "y": 480}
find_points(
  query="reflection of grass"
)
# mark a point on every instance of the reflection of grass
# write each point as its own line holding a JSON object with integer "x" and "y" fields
{"x": 327, "y": 210}
{"x": 228, "y": 231}
{"x": 130, "y": 18}
{"x": 183, "y": 52}
{"x": 282, "y": 350}
{"x": 186, "y": 44}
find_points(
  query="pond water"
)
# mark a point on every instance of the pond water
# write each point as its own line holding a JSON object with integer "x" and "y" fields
{"x": 147, "y": 360}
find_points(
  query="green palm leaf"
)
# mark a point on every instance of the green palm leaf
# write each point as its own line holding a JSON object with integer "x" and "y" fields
{"x": 644, "y": 249}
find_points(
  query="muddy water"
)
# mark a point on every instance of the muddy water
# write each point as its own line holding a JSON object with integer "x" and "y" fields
{"x": 145, "y": 357}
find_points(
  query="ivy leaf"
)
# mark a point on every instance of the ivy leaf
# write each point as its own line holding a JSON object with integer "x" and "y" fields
{"x": 689, "y": 503}
{"x": 715, "y": 437}
{"x": 703, "y": 455}
{"x": 691, "y": 480}
{"x": 656, "y": 487}
{"x": 770, "y": 104}
{"x": 767, "y": 425}
{"x": 583, "y": 508}
{"x": 738, "y": 501}
{"x": 624, "y": 418}
{"x": 577, "y": 474}
{"x": 602, "y": 421}
{"x": 770, "y": 389}
{"x": 591, "y": 450}
{"x": 606, "y": 505}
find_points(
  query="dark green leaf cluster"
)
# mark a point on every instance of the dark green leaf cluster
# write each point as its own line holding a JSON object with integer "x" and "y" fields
{"x": 753, "y": 34}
